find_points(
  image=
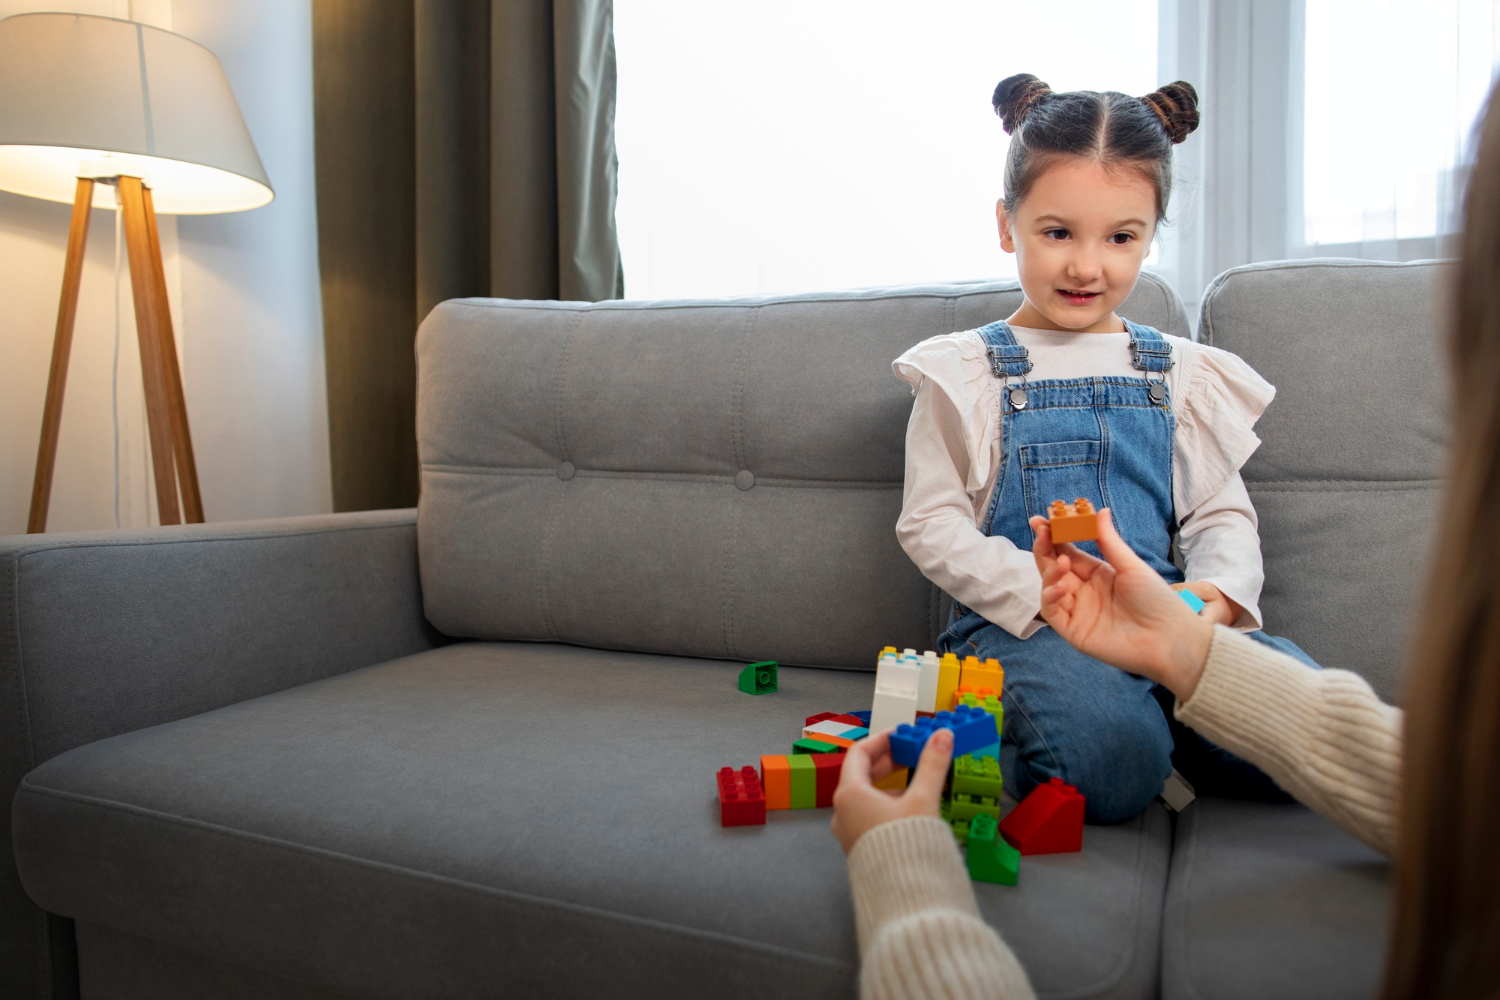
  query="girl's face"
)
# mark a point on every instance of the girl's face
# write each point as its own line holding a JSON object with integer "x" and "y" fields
{"x": 1079, "y": 237}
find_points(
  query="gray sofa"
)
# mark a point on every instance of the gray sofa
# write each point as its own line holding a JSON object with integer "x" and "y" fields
{"x": 468, "y": 751}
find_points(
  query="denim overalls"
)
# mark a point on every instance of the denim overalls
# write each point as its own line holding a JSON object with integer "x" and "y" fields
{"x": 1108, "y": 439}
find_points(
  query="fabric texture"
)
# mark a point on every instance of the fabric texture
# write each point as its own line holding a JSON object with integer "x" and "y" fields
{"x": 750, "y": 519}
{"x": 475, "y": 827}
{"x": 1348, "y": 480}
{"x": 103, "y": 633}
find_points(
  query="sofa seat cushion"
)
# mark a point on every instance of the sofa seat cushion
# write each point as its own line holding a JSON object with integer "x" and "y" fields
{"x": 1271, "y": 901}
{"x": 519, "y": 819}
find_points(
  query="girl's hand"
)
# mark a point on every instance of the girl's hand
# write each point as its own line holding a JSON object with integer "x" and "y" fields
{"x": 1218, "y": 608}
{"x": 859, "y": 807}
{"x": 1121, "y": 611}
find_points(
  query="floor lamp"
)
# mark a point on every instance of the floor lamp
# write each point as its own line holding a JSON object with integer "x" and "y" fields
{"x": 92, "y": 106}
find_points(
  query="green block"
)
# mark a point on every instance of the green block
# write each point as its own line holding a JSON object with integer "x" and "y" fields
{"x": 990, "y": 858}
{"x": 758, "y": 678}
{"x": 809, "y": 745}
{"x": 804, "y": 782}
{"x": 977, "y": 776}
{"x": 966, "y": 807}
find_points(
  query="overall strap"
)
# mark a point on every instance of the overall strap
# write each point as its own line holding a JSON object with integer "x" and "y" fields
{"x": 1007, "y": 358}
{"x": 1149, "y": 350}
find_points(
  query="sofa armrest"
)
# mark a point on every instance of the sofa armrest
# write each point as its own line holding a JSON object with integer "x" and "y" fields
{"x": 103, "y": 633}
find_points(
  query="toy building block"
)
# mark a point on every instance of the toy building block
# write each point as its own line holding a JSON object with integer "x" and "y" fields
{"x": 815, "y": 746}
{"x": 927, "y": 684}
{"x": 948, "y": 676}
{"x": 742, "y": 801}
{"x": 990, "y": 858}
{"x": 977, "y": 776}
{"x": 976, "y": 675}
{"x": 862, "y": 716}
{"x": 972, "y": 728}
{"x": 1048, "y": 821}
{"x": 759, "y": 678}
{"x": 813, "y": 720}
{"x": 828, "y": 767}
{"x": 834, "y": 727}
{"x": 896, "y": 683}
{"x": 893, "y": 782}
{"x": 1073, "y": 522}
{"x": 1177, "y": 793}
{"x": 966, "y": 807}
{"x": 776, "y": 781}
{"x": 804, "y": 781}
{"x": 1193, "y": 600}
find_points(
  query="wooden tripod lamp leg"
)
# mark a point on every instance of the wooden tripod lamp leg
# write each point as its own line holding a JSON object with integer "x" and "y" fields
{"x": 143, "y": 285}
{"x": 182, "y": 438}
{"x": 62, "y": 346}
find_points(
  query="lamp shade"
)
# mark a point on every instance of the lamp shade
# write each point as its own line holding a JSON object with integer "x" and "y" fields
{"x": 84, "y": 96}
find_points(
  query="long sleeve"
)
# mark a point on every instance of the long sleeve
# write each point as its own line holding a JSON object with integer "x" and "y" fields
{"x": 920, "y": 932}
{"x": 1323, "y": 735}
{"x": 1220, "y": 544}
{"x": 938, "y": 524}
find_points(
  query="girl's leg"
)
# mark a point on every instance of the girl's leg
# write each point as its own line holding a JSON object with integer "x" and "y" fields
{"x": 1072, "y": 717}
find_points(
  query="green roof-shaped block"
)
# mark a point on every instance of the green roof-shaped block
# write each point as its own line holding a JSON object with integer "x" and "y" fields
{"x": 990, "y": 858}
{"x": 758, "y": 678}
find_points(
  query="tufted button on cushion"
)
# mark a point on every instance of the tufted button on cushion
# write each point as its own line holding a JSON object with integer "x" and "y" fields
{"x": 744, "y": 479}
{"x": 565, "y": 471}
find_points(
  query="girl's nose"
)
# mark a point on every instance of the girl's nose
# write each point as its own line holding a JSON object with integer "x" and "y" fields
{"x": 1083, "y": 267}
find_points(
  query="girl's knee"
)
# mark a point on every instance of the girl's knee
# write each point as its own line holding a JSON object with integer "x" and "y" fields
{"x": 1119, "y": 769}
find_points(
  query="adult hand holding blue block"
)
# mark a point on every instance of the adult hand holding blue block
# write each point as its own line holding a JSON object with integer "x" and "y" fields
{"x": 973, "y": 728}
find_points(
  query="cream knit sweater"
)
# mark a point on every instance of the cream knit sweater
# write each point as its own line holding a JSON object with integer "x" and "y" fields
{"x": 1322, "y": 735}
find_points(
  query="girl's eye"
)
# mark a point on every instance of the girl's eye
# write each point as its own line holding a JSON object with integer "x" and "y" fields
{"x": 1120, "y": 239}
{"x": 1055, "y": 234}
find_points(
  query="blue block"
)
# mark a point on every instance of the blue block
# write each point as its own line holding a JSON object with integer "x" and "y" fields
{"x": 1193, "y": 600}
{"x": 973, "y": 729}
{"x": 861, "y": 715}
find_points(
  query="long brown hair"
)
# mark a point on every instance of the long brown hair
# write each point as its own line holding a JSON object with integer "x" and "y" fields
{"x": 1445, "y": 939}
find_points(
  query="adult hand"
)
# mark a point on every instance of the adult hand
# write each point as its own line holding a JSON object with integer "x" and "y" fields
{"x": 859, "y": 807}
{"x": 1120, "y": 610}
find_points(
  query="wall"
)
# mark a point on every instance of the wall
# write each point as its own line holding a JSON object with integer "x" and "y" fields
{"x": 245, "y": 304}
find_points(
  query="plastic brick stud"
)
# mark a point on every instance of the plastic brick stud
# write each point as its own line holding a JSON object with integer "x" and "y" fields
{"x": 1073, "y": 522}
{"x": 988, "y": 674}
{"x": 972, "y": 728}
{"x": 742, "y": 801}
{"x": 896, "y": 684}
{"x": 804, "y": 781}
{"x": 990, "y": 858}
{"x": 1193, "y": 600}
{"x": 828, "y": 767}
{"x": 759, "y": 678}
{"x": 776, "y": 781}
{"x": 1048, "y": 821}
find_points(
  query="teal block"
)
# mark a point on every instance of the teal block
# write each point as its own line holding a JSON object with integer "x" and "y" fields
{"x": 990, "y": 858}
{"x": 759, "y": 678}
{"x": 1193, "y": 600}
{"x": 804, "y": 781}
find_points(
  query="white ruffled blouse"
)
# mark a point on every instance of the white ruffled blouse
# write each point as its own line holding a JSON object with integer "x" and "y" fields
{"x": 953, "y": 451}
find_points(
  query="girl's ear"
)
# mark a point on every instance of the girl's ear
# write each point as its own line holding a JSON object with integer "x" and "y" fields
{"x": 1002, "y": 218}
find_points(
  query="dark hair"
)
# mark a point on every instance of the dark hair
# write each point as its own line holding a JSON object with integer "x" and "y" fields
{"x": 1445, "y": 930}
{"x": 1137, "y": 132}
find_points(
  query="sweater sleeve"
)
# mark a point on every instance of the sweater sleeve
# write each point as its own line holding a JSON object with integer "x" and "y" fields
{"x": 1322, "y": 735}
{"x": 920, "y": 932}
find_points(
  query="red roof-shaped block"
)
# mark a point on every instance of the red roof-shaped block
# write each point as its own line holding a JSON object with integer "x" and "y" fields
{"x": 1048, "y": 821}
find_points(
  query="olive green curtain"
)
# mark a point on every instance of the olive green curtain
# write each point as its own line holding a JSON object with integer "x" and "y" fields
{"x": 464, "y": 147}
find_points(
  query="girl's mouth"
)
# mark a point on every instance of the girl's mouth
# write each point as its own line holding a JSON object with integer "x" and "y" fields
{"x": 1078, "y": 298}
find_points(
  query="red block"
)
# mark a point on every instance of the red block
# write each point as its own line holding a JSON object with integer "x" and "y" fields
{"x": 851, "y": 720}
{"x": 830, "y": 766}
{"x": 742, "y": 802}
{"x": 813, "y": 720}
{"x": 1048, "y": 821}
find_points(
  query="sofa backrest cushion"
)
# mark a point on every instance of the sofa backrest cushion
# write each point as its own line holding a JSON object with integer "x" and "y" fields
{"x": 1348, "y": 480}
{"x": 717, "y": 479}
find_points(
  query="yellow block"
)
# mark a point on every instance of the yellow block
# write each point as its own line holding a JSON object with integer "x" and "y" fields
{"x": 988, "y": 674}
{"x": 893, "y": 782}
{"x": 948, "y": 672}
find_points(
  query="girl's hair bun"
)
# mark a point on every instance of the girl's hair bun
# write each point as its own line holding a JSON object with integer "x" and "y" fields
{"x": 1176, "y": 107}
{"x": 1014, "y": 98}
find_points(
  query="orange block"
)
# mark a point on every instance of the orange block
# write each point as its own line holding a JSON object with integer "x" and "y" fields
{"x": 776, "y": 779}
{"x": 893, "y": 782}
{"x": 1073, "y": 522}
{"x": 988, "y": 674}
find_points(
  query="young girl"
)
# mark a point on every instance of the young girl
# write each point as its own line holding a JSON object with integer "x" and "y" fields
{"x": 1064, "y": 400}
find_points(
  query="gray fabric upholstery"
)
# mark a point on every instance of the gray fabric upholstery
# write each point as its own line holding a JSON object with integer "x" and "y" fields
{"x": 521, "y": 820}
{"x": 710, "y": 479}
{"x": 1349, "y": 477}
{"x": 1271, "y": 901}
{"x": 107, "y": 632}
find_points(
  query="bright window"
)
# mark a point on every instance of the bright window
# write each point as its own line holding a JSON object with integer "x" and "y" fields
{"x": 1392, "y": 89}
{"x": 795, "y": 146}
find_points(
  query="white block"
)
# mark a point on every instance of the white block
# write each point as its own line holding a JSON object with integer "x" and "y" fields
{"x": 1177, "y": 793}
{"x": 896, "y": 686}
{"x": 928, "y": 685}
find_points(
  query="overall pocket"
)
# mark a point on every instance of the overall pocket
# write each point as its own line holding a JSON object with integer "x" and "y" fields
{"x": 1060, "y": 470}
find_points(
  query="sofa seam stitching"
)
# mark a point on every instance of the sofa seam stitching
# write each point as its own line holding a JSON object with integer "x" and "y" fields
{"x": 712, "y": 938}
{"x": 260, "y": 536}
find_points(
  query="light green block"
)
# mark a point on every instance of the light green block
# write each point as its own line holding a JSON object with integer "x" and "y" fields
{"x": 804, "y": 781}
{"x": 977, "y": 776}
{"x": 966, "y": 807}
